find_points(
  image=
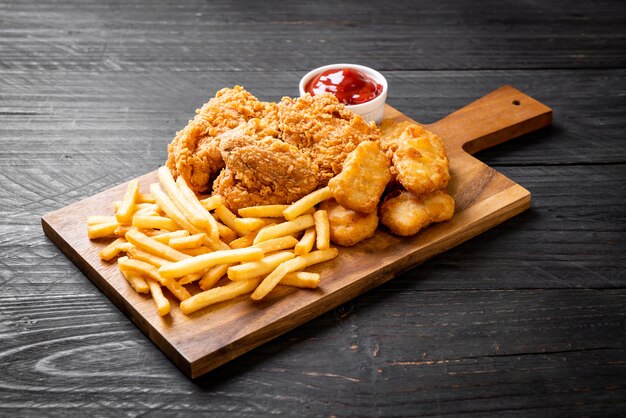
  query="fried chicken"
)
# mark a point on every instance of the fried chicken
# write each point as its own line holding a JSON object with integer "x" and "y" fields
{"x": 363, "y": 179}
{"x": 420, "y": 163}
{"x": 260, "y": 169}
{"x": 271, "y": 152}
{"x": 348, "y": 227}
{"x": 406, "y": 214}
{"x": 194, "y": 153}
{"x": 323, "y": 129}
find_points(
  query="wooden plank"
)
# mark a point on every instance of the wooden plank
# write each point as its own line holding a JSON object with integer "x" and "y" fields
{"x": 94, "y": 36}
{"x": 204, "y": 340}
{"x": 462, "y": 352}
{"x": 95, "y": 119}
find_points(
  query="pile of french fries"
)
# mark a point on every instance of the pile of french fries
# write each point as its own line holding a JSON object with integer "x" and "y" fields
{"x": 171, "y": 238}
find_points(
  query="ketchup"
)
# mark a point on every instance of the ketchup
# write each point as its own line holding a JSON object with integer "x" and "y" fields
{"x": 350, "y": 86}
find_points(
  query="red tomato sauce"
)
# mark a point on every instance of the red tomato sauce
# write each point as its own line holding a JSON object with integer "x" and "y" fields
{"x": 350, "y": 86}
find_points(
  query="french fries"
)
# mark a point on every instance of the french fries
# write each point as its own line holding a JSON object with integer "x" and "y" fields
{"x": 289, "y": 266}
{"x": 125, "y": 212}
{"x": 170, "y": 238}
{"x": 200, "y": 262}
{"x": 306, "y": 203}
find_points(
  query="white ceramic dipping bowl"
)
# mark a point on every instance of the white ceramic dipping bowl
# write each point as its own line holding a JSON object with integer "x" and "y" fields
{"x": 370, "y": 111}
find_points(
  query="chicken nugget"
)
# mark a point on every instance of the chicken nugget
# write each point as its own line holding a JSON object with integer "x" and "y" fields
{"x": 406, "y": 214}
{"x": 348, "y": 227}
{"x": 363, "y": 179}
{"x": 419, "y": 159}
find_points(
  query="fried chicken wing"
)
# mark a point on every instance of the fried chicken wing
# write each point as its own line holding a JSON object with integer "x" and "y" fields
{"x": 261, "y": 169}
{"x": 348, "y": 227}
{"x": 194, "y": 153}
{"x": 363, "y": 179}
{"x": 406, "y": 214}
{"x": 419, "y": 159}
{"x": 323, "y": 129}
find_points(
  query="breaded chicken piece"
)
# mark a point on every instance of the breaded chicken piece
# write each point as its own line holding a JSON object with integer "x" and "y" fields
{"x": 323, "y": 129}
{"x": 260, "y": 169}
{"x": 194, "y": 152}
{"x": 363, "y": 179}
{"x": 406, "y": 214}
{"x": 348, "y": 227}
{"x": 419, "y": 160}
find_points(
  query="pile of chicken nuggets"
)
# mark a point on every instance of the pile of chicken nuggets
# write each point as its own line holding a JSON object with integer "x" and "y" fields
{"x": 253, "y": 153}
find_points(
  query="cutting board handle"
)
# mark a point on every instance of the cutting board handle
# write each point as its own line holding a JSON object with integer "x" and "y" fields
{"x": 503, "y": 114}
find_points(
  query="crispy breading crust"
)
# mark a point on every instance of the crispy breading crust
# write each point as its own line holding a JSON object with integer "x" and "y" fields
{"x": 406, "y": 214}
{"x": 419, "y": 157}
{"x": 323, "y": 129}
{"x": 194, "y": 152}
{"x": 348, "y": 227}
{"x": 363, "y": 179}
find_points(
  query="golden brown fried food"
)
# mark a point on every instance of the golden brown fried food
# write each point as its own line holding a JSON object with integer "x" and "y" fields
{"x": 262, "y": 170}
{"x": 363, "y": 179}
{"x": 194, "y": 153}
{"x": 406, "y": 214}
{"x": 324, "y": 130}
{"x": 418, "y": 156}
{"x": 348, "y": 227}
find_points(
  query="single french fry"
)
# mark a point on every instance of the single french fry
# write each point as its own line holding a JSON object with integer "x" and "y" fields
{"x": 244, "y": 226}
{"x": 322, "y": 230}
{"x": 197, "y": 251}
{"x": 144, "y": 242}
{"x": 161, "y": 302}
{"x": 125, "y": 212}
{"x": 211, "y": 277}
{"x": 218, "y": 294}
{"x": 227, "y": 218}
{"x": 156, "y": 222}
{"x": 305, "y": 245}
{"x": 210, "y": 203}
{"x": 276, "y": 244}
{"x": 149, "y": 270}
{"x": 307, "y": 202}
{"x": 192, "y": 241}
{"x": 176, "y": 195}
{"x": 170, "y": 209}
{"x": 301, "y": 279}
{"x": 201, "y": 262}
{"x": 243, "y": 242}
{"x": 102, "y": 230}
{"x": 227, "y": 234}
{"x": 136, "y": 281}
{"x": 112, "y": 250}
{"x": 285, "y": 228}
{"x": 137, "y": 254}
{"x": 253, "y": 269}
{"x": 263, "y": 211}
{"x": 192, "y": 199}
{"x": 165, "y": 237}
{"x": 298, "y": 263}
{"x": 190, "y": 278}
{"x": 145, "y": 198}
{"x": 100, "y": 219}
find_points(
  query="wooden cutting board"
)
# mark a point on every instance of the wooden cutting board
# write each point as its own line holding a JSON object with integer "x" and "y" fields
{"x": 206, "y": 339}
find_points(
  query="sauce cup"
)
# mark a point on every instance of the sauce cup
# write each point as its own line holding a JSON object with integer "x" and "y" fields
{"x": 371, "y": 111}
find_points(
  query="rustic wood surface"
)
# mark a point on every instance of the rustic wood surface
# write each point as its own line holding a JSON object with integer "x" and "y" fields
{"x": 526, "y": 319}
{"x": 201, "y": 342}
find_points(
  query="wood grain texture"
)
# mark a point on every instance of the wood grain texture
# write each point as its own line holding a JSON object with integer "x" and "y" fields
{"x": 526, "y": 319}
{"x": 268, "y": 36}
{"x": 200, "y": 342}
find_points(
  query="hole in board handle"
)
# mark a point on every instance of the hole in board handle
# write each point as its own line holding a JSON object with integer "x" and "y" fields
{"x": 516, "y": 102}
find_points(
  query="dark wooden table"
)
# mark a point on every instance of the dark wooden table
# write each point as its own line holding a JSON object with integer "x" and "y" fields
{"x": 527, "y": 319}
